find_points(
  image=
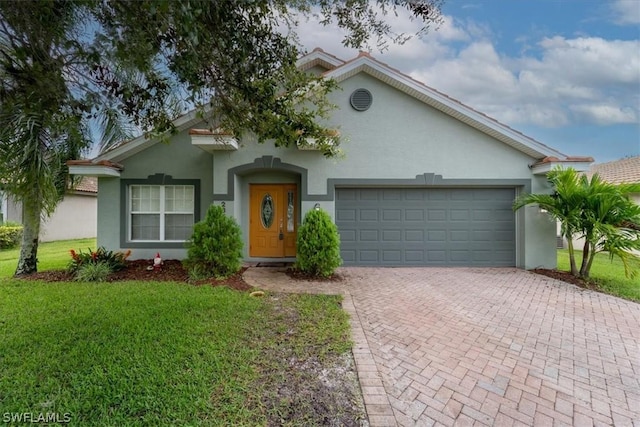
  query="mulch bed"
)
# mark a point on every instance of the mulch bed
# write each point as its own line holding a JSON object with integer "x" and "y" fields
{"x": 565, "y": 276}
{"x": 172, "y": 271}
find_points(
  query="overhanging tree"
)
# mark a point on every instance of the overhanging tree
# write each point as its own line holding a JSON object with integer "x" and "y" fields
{"x": 601, "y": 213}
{"x": 133, "y": 65}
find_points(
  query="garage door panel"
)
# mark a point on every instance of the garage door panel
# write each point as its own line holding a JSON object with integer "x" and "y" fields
{"x": 348, "y": 256}
{"x": 436, "y": 214}
{"x": 368, "y": 256}
{"x": 347, "y": 194}
{"x": 392, "y": 215}
{"x": 414, "y": 215}
{"x": 369, "y": 215}
{"x": 436, "y": 236}
{"x": 414, "y": 235}
{"x": 413, "y": 256}
{"x": 459, "y": 215}
{"x": 344, "y": 215}
{"x": 391, "y": 256}
{"x": 391, "y": 194}
{"x": 392, "y": 235}
{"x": 369, "y": 236}
{"x": 347, "y": 236}
{"x": 368, "y": 194}
{"x": 422, "y": 226}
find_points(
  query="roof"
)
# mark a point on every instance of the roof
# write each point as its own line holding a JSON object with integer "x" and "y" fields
{"x": 623, "y": 171}
{"x": 341, "y": 70}
{"x": 88, "y": 184}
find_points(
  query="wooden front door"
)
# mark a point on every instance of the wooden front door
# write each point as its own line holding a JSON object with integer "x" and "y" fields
{"x": 273, "y": 220}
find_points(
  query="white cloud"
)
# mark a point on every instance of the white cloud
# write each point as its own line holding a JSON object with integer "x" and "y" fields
{"x": 556, "y": 82}
{"x": 626, "y": 12}
{"x": 605, "y": 114}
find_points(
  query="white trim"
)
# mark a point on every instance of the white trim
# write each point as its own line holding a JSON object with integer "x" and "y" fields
{"x": 544, "y": 168}
{"x": 161, "y": 213}
{"x": 319, "y": 57}
{"x": 99, "y": 171}
{"x": 213, "y": 143}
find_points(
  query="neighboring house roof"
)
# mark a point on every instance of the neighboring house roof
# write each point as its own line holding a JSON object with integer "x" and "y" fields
{"x": 545, "y": 156}
{"x": 88, "y": 184}
{"x": 623, "y": 171}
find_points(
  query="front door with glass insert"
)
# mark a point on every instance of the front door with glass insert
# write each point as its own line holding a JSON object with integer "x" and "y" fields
{"x": 272, "y": 220}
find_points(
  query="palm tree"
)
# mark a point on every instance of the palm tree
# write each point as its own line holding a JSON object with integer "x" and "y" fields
{"x": 601, "y": 213}
{"x": 610, "y": 221}
{"x": 564, "y": 205}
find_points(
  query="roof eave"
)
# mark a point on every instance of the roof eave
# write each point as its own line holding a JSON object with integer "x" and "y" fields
{"x": 546, "y": 165}
{"x": 318, "y": 57}
{"x": 141, "y": 143}
{"x": 98, "y": 169}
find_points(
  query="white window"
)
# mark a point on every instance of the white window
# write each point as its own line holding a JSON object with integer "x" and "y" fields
{"x": 161, "y": 212}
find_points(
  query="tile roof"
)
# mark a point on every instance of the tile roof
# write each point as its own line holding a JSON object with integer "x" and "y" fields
{"x": 621, "y": 171}
{"x": 88, "y": 184}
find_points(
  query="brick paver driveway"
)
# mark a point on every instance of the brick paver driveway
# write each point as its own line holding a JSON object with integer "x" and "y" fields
{"x": 469, "y": 346}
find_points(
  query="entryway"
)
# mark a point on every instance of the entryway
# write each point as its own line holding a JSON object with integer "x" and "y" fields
{"x": 272, "y": 220}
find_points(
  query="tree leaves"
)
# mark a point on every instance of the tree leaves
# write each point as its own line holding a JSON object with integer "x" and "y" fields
{"x": 601, "y": 213}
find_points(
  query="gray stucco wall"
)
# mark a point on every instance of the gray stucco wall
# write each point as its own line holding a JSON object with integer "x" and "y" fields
{"x": 178, "y": 159}
{"x": 398, "y": 138}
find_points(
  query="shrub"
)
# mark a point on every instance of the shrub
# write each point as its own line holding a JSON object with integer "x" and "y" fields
{"x": 114, "y": 260}
{"x": 318, "y": 245}
{"x": 93, "y": 272}
{"x": 10, "y": 235}
{"x": 215, "y": 247}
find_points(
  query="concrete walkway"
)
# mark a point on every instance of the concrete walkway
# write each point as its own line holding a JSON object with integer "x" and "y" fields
{"x": 471, "y": 346}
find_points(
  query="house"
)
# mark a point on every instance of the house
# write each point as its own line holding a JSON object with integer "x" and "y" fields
{"x": 622, "y": 171}
{"x": 425, "y": 180}
{"x": 75, "y": 217}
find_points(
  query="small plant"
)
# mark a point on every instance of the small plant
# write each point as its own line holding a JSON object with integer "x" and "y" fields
{"x": 215, "y": 247}
{"x": 114, "y": 260}
{"x": 93, "y": 272}
{"x": 10, "y": 235}
{"x": 318, "y": 245}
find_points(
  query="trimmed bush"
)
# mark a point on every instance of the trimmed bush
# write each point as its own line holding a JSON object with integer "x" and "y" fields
{"x": 10, "y": 235}
{"x": 318, "y": 245}
{"x": 114, "y": 260}
{"x": 215, "y": 247}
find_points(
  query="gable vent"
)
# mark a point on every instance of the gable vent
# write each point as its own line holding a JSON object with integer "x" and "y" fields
{"x": 361, "y": 99}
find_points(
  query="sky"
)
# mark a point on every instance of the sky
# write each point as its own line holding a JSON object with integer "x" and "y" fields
{"x": 564, "y": 72}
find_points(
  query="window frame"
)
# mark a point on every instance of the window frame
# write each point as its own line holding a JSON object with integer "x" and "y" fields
{"x": 126, "y": 213}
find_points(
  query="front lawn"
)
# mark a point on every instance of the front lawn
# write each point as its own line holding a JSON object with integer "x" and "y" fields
{"x": 607, "y": 274}
{"x": 148, "y": 353}
{"x": 51, "y": 255}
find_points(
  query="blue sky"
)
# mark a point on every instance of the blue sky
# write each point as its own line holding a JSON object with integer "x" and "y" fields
{"x": 564, "y": 72}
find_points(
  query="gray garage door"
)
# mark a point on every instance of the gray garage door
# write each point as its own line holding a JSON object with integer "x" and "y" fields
{"x": 426, "y": 226}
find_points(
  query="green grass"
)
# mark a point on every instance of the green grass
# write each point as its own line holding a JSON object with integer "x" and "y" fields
{"x": 607, "y": 274}
{"x": 51, "y": 255}
{"x": 142, "y": 353}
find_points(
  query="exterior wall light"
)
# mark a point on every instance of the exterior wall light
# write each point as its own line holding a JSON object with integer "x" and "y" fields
{"x": 316, "y": 206}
